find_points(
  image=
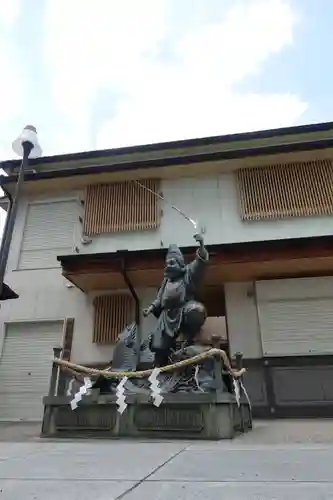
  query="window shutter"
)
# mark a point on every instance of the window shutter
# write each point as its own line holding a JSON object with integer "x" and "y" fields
{"x": 296, "y": 316}
{"x": 111, "y": 314}
{"x": 48, "y": 232}
{"x": 286, "y": 190}
{"x": 121, "y": 206}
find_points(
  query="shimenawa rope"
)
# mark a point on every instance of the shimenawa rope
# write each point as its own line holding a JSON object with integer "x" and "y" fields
{"x": 78, "y": 369}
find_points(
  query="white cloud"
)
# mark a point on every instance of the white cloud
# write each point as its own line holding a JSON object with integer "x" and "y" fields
{"x": 11, "y": 96}
{"x": 115, "y": 45}
{"x": 251, "y": 32}
{"x": 9, "y": 12}
{"x": 185, "y": 117}
{"x": 11, "y": 90}
{"x": 89, "y": 45}
{"x": 198, "y": 96}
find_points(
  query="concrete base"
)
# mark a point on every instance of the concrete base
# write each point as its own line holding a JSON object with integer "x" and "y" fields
{"x": 180, "y": 416}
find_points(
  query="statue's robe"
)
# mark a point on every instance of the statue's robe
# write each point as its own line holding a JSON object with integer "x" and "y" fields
{"x": 172, "y": 297}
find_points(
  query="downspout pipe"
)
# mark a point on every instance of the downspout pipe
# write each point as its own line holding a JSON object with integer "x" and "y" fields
{"x": 131, "y": 288}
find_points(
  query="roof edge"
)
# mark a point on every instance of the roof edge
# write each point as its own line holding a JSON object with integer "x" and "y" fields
{"x": 230, "y": 154}
{"x": 212, "y": 248}
{"x": 164, "y": 146}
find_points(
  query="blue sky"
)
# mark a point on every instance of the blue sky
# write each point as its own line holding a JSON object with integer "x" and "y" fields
{"x": 103, "y": 74}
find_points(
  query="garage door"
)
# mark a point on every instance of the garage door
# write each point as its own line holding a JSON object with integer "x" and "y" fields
{"x": 296, "y": 316}
{"x": 25, "y": 368}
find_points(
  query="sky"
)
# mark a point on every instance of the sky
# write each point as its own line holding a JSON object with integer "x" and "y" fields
{"x": 110, "y": 73}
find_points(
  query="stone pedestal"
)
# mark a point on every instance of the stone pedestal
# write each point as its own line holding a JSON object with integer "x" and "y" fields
{"x": 180, "y": 416}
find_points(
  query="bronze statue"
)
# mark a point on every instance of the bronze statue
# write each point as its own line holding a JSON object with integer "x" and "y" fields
{"x": 176, "y": 307}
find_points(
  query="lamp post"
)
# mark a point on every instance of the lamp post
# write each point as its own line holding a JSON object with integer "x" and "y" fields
{"x": 27, "y": 146}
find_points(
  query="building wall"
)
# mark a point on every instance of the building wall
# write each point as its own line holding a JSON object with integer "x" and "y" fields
{"x": 49, "y": 298}
{"x": 83, "y": 349}
{"x": 213, "y": 202}
{"x": 290, "y": 317}
{"x": 236, "y": 231}
{"x": 242, "y": 318}
{"x": 44, "y": 294}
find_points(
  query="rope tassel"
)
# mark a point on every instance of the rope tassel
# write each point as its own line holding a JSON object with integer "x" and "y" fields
{"x": 121, "y": 398}
{"x": 236, "y": 391}
{"x": 84, "y": 389}
{"x": 154, "y": 387}
{"x": 245, "y": 393}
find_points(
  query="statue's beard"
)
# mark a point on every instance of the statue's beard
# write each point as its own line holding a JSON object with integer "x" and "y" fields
{"x": 173, "y": 272}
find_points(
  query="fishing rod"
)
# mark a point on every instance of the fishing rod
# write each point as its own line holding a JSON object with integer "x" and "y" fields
{"x": 158, "y": 195}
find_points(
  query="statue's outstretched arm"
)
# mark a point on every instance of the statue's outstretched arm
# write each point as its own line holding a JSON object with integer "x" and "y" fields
{"x": 197, "y": 266}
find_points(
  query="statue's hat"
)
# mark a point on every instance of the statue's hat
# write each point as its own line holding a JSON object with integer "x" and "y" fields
{"x": 174, "y": 252}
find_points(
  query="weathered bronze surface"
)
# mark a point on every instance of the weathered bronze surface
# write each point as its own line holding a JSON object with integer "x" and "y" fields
{"x": 198, "y": 400}
{"x": 175, "y": 307}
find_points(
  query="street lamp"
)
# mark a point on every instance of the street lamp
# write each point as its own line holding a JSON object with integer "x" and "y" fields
{"x": 26, "y": 145}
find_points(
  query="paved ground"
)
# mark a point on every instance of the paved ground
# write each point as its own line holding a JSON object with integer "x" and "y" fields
{"x": 279, "y": 460}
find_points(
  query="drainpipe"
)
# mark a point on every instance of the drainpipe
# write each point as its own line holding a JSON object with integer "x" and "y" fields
{"x": 136, "y": 300}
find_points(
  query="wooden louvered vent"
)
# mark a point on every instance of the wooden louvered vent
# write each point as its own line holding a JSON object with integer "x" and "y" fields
{"x": 286, "y": 190}
{"x": 112, "y": 314}
{"x": 121, "y": 206}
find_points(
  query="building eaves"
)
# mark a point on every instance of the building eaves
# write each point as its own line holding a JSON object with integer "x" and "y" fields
{"x": 227, "y": 249}
{"x": 167, "y": 146}
{"x": 230, "y": 154}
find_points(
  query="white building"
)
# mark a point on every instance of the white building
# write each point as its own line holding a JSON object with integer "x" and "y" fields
{"x": 265, "y": 200}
